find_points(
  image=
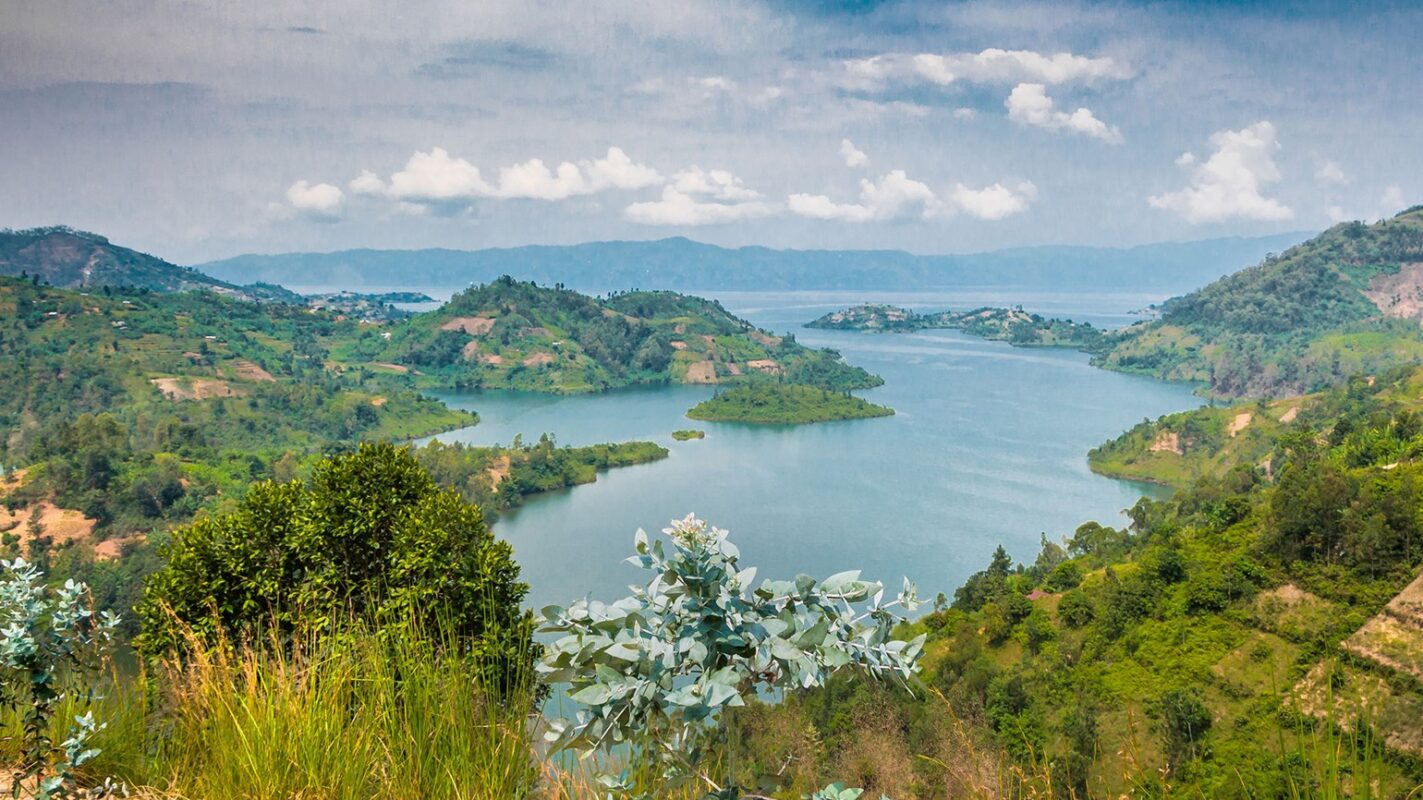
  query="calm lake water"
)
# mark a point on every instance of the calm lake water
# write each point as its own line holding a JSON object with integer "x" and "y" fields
{"x": 988, "y": 446}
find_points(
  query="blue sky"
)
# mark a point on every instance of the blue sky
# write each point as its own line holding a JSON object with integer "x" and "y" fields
{"x": 200, "y": 130}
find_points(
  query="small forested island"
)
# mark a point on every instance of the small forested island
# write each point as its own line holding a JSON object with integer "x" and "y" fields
{"x": 1012, "y": 325}
{"x": 688, "y": 434}
{"x": 771, "y": 403}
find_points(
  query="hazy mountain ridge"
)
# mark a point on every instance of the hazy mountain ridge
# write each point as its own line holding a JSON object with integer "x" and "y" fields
{"x": 69, "y": 259}
{"x": 682, "y": 264}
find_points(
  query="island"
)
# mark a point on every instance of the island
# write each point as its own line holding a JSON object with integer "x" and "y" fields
{"x": 511, "y": 334}
{"x": 687, "y": 434}
{"x": 784, "y": 404}
{"x": 1013, "y": 325}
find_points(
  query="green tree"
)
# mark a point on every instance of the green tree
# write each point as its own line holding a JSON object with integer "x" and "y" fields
{"x": 369, "y": 534}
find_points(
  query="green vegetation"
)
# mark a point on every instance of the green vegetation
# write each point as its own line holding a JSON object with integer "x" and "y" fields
{"x": 1013, "y": 325}
{"x": 687, "y": 434}
{"x": 517, "y": 335}
{"x": 1341, "y": 304}
{"x": 1237, "y": 640}
{"x": 499, "y": 478}
{"x": 662, "y": 669}
{"x": 370, "y": 534}
{"x": 784, "y": 404}
{"x": 1375, "y": 420}
{"x": 61, "y": 256}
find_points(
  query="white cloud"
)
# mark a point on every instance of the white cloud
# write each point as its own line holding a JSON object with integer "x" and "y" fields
{"x": 1337, "y": 214}
{"x": 1029, "y": 104}
{"x": 367, "y": 183}
{"x": 1329, "y": 173}
{"x": 320, "y": 201}
{"x": 894, "y": 196}
{"x": 854, "y": 156}
{"x": 683, "y": 208}
{"x": 437, "y": 178}
{"x": 1227, "y": 185}
{"x": 715, "y": 183}
{"x": 1392, "y": 200}
{"x": 617, "y": 171}
{"x": 964, "y": 113}
{"x": 993, "y": 65}
{"x": 994, "y": 202}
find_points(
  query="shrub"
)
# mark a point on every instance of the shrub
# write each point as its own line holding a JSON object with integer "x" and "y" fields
{"x": 369, "y": 534}
{"x": 656, "y": 668}
{"x": 51, "y": 644}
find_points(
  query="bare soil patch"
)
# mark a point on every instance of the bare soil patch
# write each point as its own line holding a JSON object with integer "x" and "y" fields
{"x": 195, "y": 388}
{"x": 701, "y": 372}
{"x": 474, "y": 326}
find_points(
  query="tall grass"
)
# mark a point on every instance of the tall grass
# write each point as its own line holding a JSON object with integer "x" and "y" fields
{"x": 344, "y": 716}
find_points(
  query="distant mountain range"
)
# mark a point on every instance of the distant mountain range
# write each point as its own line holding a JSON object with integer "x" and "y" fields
{"x": 685, "y": 265}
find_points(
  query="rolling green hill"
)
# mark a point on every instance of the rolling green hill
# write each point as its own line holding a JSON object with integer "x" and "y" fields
{"x": 1258, "y": 634}
{"x": 1347, "y": 302}
{"x": 517, "y": 335}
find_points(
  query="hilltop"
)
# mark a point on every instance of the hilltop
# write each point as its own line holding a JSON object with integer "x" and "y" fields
{"x": 1347, "y": 302}
{"x": 73, "y": 259}
{"x": 685, "y": 265}
{"x": 519, "y": 335}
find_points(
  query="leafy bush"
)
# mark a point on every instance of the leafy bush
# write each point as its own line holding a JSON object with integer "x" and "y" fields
{"x": 370, "y": 533}
{"x": 656, "y": 668}
{"x": 49, "y": 646}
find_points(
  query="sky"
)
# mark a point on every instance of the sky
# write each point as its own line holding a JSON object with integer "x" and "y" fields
{"x": 199, "y": 130}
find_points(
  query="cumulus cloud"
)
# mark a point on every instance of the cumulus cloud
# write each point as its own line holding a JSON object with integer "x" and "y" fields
{"x": 680, "y": 208}
{"x": 367, "y": 183}
{"x": 320, "y": 200}
{"x": 994, "y": 202}
{"x": 696, "y": 196}
{"x": 1029, "y": 104}
{"x": 717, "y": 184}
{"x": 854, "y": 156}
{"x": 893, "y": 196}
{"x": 993, "y": 65}
{"x": 1227, "y": 185}
{"x": 437, "y": 178}
{"x": 1329, "y": 173}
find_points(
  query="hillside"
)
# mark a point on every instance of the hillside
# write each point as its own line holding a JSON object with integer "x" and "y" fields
{"x": 685, "y": 265}
{"x": 1256, "y": 635}
{"x": 1347, "y": 302}
{"x": 72, "y": 259}
{"x": 512, "y": 334}
{"x": 1012, "y": 325}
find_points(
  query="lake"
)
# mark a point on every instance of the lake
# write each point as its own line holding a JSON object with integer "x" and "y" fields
{"x": 989, "y": 446}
